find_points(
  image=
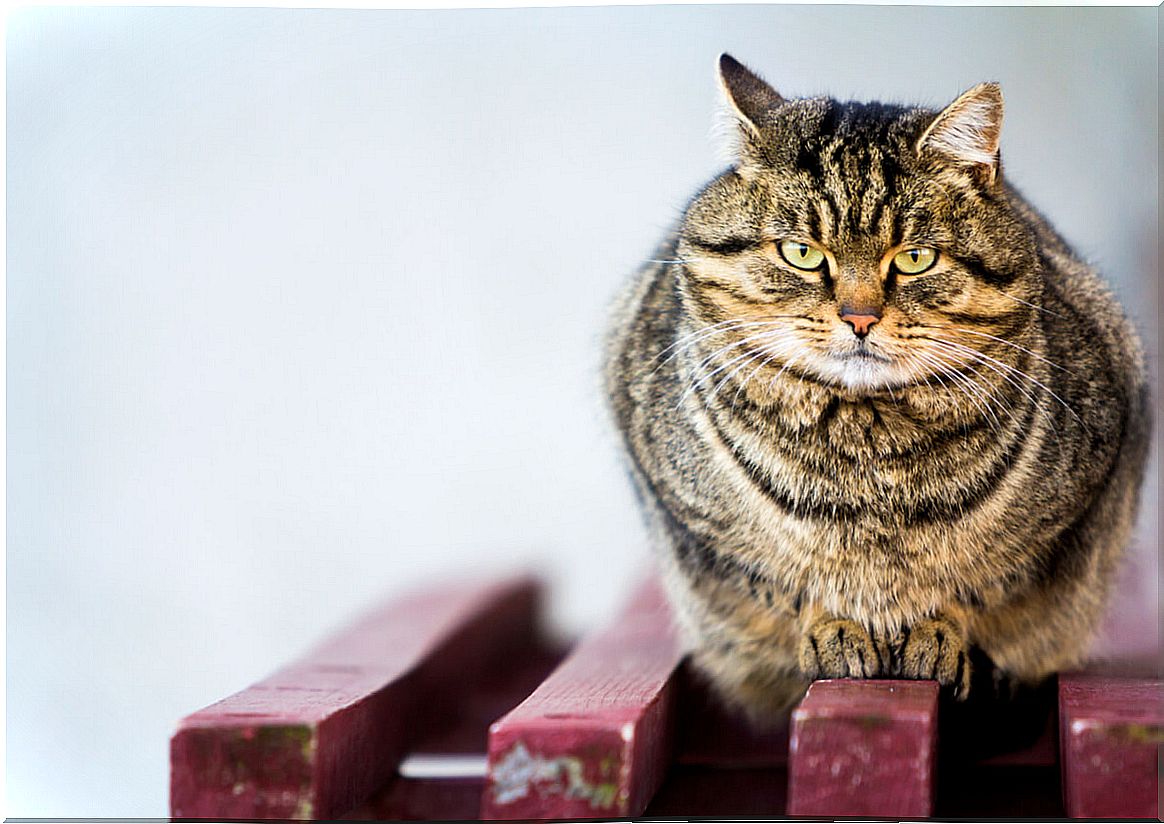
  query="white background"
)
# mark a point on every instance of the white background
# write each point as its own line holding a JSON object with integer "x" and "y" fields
{"x": 304, "y": 307}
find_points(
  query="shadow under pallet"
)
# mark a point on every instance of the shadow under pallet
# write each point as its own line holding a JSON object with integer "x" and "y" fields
{"x": 451, "y": 704}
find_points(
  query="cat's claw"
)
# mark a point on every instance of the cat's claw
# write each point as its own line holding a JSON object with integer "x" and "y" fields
{"x": 838, "y": 648}
{"x": 935, "y": 649}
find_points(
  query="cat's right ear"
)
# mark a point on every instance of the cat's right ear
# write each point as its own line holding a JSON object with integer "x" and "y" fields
{"x": 967, "y": 131}
{"x": 750, "y": 99}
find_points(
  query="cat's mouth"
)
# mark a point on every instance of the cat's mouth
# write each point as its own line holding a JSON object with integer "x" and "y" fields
{"x": 862, "y": 368}
{"x": 862, "y": 353}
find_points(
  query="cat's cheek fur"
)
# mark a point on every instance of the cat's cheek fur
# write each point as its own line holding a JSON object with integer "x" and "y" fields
{"x": 932, "y": 292}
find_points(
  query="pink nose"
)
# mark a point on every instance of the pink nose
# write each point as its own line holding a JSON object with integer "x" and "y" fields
{"x": 861, "y": 323}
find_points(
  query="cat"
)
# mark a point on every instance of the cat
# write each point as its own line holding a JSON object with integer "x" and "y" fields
{"x": 878, "y": 414}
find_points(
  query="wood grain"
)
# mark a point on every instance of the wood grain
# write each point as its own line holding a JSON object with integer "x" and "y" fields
{"x": 322, "y": 734}
{"x": 864, "y": 748}
{"x": 594, "y": 739}
{"x": 1111, "y": 731}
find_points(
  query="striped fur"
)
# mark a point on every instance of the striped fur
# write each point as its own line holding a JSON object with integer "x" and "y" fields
{"x": 963, "y": 479}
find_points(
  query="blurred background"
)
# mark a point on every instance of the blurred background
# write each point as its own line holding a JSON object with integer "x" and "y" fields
{"x": 305, "y": 308}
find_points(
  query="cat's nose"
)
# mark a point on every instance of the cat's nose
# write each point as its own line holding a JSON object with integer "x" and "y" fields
{"x": 861, "y": 320}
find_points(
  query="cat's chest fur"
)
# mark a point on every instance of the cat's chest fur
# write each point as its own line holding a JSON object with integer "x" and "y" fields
{"x": 879, "y": 508}
{"x": 871, "y": 464}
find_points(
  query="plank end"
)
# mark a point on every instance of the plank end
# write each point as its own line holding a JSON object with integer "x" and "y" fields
{"x": 864, "y": 748}
{"x": 1111, "y": 732}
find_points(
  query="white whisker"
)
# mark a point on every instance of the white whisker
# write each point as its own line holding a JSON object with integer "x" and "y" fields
{"x": 722, "y": 326}
{"x": 751, "y": 358}
{"x": 1025, "y": 392}
{"x": 969, "y": 387}
{"x": 917, "y": 361}
{"x": 687, "y": 341}
{"x": 771, "y": 334}
{"x": 1033, "y": 306}
{"x": 1013, "y": 345}
{"x": 981, "y": 356}
{"x": 767, "y": 360}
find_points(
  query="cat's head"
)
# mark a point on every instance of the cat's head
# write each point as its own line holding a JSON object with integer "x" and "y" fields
{"x": 871, "y": 244}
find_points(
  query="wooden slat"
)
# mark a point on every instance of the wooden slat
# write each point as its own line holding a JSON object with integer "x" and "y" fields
{"x": 594, "y": 739}
{"x": 864, "y": 748}
{"x": 1111, "y": 731}
{"x": 322, "y": 734}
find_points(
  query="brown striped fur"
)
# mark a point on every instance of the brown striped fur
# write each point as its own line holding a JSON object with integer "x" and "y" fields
{"x": 964, "y": 477}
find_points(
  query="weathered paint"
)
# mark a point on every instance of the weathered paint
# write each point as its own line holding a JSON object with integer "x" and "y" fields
{"x": 519, "y": 773}
{"x": 864, "y": 748}
{"x": 1112, "y": 729}
{"x": 268, "y": 770}
{"x": 326, "y": 732}
{"x": 594, "y": 739}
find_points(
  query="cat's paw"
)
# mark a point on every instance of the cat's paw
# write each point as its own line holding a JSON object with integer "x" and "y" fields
{"x": 935, "y": 649}
{"x": 834, "y": 647}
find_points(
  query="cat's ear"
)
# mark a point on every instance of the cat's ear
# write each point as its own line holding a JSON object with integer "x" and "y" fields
{"x": 967, "y": 131}
{"x": 748, "y": 95}
{"x": 750, "y": 99}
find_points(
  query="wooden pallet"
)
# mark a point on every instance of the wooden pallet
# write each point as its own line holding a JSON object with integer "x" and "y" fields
{"x": 450, "y": 704}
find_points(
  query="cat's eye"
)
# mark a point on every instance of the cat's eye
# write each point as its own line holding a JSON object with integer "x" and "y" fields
{"x": 801, "y": 255}
{"x": 915, "y": 260}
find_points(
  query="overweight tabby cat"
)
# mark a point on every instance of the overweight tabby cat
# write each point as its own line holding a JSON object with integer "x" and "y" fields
{"x": 878, "y": 412}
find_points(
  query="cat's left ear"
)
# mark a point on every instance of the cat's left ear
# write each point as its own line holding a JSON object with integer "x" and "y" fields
{"x": 750, "y": 99}
{"x": 748, "y": 94}
{"x": 967, "y": 132}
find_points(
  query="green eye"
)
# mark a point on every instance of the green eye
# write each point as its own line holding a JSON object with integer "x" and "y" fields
{"x": 916, "y": 260}
{"x": 801, "y": 255}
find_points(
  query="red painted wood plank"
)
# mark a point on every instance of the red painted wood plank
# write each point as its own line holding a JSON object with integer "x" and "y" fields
{"x": 864, "y": 748}
{"x": 1111, "y": 732}
{"x": 594, "y": 739}
{"x": 322, "y": 734}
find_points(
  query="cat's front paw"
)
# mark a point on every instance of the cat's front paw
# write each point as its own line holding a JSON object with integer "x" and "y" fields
{"x": 936, "y": 649}
{"x": 834, "y": 647}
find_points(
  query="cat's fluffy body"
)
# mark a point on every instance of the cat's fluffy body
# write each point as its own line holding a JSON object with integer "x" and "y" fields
{"x": 831, "y": 504}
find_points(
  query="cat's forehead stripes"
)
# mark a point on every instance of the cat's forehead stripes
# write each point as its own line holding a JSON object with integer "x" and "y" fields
{"x": 850, "y": 164}
{"x": 849, "y": 178}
